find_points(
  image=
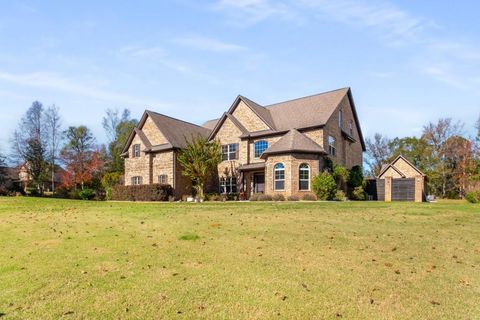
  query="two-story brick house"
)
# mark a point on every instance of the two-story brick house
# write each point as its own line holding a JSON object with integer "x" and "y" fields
{"x": 265, "y": 149}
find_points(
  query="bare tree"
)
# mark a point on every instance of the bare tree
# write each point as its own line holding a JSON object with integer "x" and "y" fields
{"x": 378, "y": 152}
{"x": 29, "y": 143}
{"x": 54, "y": 133}
{"x": 436, "y": 135}
{"x": 111, "y": 121}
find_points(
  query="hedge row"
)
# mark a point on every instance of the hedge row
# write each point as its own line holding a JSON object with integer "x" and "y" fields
{"x": 144, "y": 192}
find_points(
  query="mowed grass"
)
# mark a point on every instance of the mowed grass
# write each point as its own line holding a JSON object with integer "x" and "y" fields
{"x": 83, "y": 260}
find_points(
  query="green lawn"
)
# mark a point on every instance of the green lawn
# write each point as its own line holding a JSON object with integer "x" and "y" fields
{"x": 84, "y": 260}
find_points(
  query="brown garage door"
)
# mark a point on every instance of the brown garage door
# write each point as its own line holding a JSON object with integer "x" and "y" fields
{"x": 403, "y": 189}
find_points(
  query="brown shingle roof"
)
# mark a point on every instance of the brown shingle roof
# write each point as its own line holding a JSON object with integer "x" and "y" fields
{"x": 293, "y": 141}
{"x": 176, "y": 131}
{"x": 262, "y": 112}
{"x": 306, "y": 112}
{"x": 210, "y": 124}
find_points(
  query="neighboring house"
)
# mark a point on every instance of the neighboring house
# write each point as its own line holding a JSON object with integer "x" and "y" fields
{"x": 24, "y": 178}
{"x": 265, "y": 149}
{"x": 399, "y": 180}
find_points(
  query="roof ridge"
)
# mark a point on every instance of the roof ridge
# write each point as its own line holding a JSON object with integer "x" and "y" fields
{"x": 304, "y": 97}
{"x": 164, "y": 115}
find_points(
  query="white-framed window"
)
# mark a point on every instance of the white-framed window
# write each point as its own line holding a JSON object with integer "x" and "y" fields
{"x": 228, "y": 185}
{"x": 304, "y": 177}
{"x": 137, "y": 180}
{"x": 279, "y": 176}
{"x": 340, "y": 119}
{"x": 136, "y": 150}
{"x": 331, "y": 146}
{"x": 229, "y": 151}
{"x": 163, "y": 179}
{"x": 350, "y": 127}
{"x": 260, "y": 147}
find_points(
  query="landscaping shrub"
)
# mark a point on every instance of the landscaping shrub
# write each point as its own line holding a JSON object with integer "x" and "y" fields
{"x": 145, "y": 192}
{"x": 340, "y": 196}
{"x": 359, "y": 193}
{"x": 293, "y": 198}
{"x": 213, "y": 197}
{"x": 309, "y": 197}
{"x": 254, "y": 197}
{"x": 86, "y": 194}
{"x": 108, "y": 181}
{"x": 278, "y": 197}
{"x": 264, "y": 197}
{"x": 473, "y": 197}
{"x": 324, "y": 186}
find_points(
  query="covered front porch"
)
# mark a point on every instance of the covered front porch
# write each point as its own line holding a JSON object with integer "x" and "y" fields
{"x": 252, "y": 178}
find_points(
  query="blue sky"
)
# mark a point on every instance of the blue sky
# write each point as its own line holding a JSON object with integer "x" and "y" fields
{"x": 407, "y": 62}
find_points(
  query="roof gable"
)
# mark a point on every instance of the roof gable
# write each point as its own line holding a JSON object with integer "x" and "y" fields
{"x": 401, "y": 165}
{"x": 293, "y": 141}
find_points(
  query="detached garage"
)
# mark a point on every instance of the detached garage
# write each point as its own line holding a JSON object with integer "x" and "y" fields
{"x": 398, "y": 181}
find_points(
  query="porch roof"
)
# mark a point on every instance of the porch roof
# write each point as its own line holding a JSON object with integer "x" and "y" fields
{"x": 252, "y": 166}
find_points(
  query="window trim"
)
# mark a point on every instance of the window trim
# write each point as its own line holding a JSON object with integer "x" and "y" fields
{"x": 136, "y": 150}
{"x": 232, "y": 182}
{"x": 162, "y": 176}
{"x": 332, "y": 149}
{"x": 300, "y": 179}
{"x": 275, "y": 180}
{"x": 255, "y": 155}
{"x": 340, "y": 119}
{"x": 229, "y": 152}
{"x": 136, "y": 180}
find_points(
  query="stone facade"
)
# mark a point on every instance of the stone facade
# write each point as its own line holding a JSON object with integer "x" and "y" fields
{"x": 137, "y": 166}
{"x": 292, "y": 164}
{"x": 160, "y": 161}
{"x": 248, "y": 118}
{"x": 348, "y": 154}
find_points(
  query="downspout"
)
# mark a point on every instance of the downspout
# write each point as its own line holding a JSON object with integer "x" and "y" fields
{"x": 174, "y": 170}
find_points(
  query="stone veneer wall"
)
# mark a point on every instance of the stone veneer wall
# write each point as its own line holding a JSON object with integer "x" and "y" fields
{"x": 248, "y": 118}
{"x": 137, "y": 166}
{"x": 152, "y": 132}
{"x": 405, "y": 168}
{"x": 292, "y": 163}
{"x": 348, "y": 154}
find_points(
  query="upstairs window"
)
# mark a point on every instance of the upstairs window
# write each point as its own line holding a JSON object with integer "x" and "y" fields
{"x": 279, "y": 176}
{"x": 260, "y": 147}
{"x": 136, "y": 150}
{"x": 136, "y": 181}
{"x": 230, "y": 151}
{"x": 340, "y": 119}
{"x": 228, "y": 185}
{"x": 350, "y": 127}
{"x": 163, "y": 179}
{"x": 304, "y": 177}
{"x": 331, "y": 146}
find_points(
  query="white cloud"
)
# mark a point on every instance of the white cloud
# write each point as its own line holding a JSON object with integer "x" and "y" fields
{"x": 208, "y": 44}
{"x": 55, "y": 81}
{"x": 249, "y": 12}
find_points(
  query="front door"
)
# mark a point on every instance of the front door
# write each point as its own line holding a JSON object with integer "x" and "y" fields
{"x": 258, "y": 182}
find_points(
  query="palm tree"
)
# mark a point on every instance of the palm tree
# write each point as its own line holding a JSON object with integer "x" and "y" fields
{"x": 199, "y": 159}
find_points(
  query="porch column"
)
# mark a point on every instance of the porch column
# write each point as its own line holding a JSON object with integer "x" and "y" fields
{"x": 388, "y": 189}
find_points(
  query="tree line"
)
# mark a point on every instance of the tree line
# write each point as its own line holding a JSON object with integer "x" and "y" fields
{"x": 450, "y": 159}
{"x": 51, "y": 153}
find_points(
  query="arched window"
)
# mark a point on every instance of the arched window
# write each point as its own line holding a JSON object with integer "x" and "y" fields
{"x": 304, "y": 177}
{"x": 279, "y": 176}
{"x": 260, "y": 147}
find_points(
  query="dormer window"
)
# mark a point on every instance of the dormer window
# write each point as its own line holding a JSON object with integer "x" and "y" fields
{"x": 136, "y": 150}
{"x": 340, "y": 119}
